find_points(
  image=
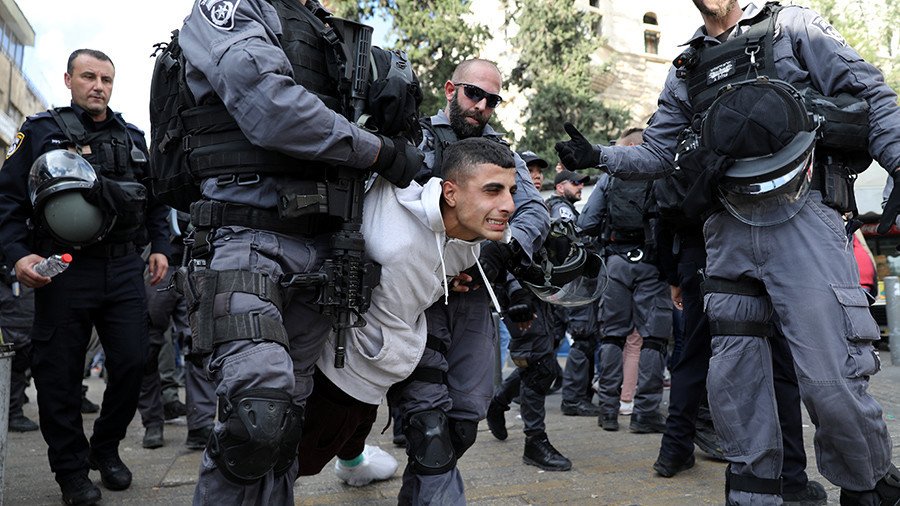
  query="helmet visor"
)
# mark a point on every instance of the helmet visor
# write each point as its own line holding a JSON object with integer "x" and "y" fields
{"x": 770, "y": 201}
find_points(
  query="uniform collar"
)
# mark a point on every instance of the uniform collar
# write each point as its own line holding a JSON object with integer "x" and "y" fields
{"x": 750, "y": 11}
{"x": 89, "y": 122}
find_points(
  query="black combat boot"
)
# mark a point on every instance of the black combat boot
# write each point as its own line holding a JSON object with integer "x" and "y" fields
{"x": 580, "y": 407}
{"x": 886, "y": 493}
{"x": 668, "y": 468}
{"x": 609, "y": 422}
{"x": 540, "y": 453}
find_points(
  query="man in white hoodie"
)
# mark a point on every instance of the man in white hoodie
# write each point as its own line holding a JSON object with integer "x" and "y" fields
{"x": 423, "y": 236}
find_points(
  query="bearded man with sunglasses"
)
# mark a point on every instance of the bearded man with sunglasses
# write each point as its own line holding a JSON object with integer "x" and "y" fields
{"x": 441, "y": 403}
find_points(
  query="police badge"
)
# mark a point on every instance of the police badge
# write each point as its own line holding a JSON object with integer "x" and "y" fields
{"x": 219, "y": 13}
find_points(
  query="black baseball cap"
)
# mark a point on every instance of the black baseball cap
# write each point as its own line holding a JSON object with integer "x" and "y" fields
{"x": 530, "y": 157}
{"x": 568, "y": 175}
{"x": 762, "y": 125}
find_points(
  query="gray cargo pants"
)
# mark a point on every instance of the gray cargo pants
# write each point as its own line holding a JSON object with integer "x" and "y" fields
{"x": 242, "y": 365}
{"x": 813, "y": 295}
{"x": 635, "y": 299}
{"x": 466, "y": 328}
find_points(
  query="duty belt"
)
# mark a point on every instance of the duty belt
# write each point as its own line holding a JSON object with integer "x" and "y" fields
{"x": 209, "y": 214}
{"x": 108, "y": 250}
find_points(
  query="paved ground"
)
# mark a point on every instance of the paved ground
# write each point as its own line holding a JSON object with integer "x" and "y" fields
{"x": 609, "y": 468}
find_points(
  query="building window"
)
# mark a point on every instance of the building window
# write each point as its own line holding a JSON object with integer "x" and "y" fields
{"x": 651, "y": 42}
{"x": 595, "y": 3}
{"x": 651, "y": 33}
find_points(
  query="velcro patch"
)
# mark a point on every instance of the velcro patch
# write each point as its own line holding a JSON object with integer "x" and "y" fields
{"x": 828, "y": 30}
{"x": 15, "y": 145}
{"x": 219, "y": 13}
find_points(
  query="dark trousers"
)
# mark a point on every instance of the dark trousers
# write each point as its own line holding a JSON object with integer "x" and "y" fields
{"x": 93, "y": 292}
{"x": 689, "y": 381}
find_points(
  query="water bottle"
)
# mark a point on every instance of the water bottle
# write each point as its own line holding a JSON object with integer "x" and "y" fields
{"x": 53, "y": 265}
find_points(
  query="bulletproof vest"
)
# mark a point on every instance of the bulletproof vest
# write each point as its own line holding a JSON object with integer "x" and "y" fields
{"x": 217, "y": 145}
{"x": 743, "y": 57}
{"x": 114, "y": 156}
{"x": 443, "y": 136}
{"x": 626, "y": 202}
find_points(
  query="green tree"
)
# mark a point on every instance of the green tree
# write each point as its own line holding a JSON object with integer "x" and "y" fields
{"x": 554, "y": 43}
{"x": 433, "y": 34}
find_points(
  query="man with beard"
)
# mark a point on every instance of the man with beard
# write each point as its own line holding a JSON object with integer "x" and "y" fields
{"x": 778, "y": 262}
{"x": 448, "y": 393}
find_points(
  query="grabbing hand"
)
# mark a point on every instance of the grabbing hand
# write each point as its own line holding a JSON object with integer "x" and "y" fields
{"x": 577, "y": 153}
{"x": 398, "y": 161}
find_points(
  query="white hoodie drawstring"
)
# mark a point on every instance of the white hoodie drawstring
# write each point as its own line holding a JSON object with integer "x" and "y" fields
{"x": 440, "y": 246}
{"x": 487, "y": 284}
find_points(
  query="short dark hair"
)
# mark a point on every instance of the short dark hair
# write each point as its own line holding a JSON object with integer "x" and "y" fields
{"x": 100, "y": 55}
{"x": 461, "y": 157}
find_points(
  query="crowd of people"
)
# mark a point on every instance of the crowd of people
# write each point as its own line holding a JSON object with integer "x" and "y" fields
{"x": 316, "y": 255}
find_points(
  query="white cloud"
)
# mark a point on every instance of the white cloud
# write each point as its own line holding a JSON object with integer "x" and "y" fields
{"x": 125, "y": 30}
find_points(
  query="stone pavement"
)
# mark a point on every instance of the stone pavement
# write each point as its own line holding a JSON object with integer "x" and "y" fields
{"x": 608, "y": 467}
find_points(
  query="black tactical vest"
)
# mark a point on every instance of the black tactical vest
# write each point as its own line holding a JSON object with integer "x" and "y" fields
{"x": 746, "y": 56}
{"x": 626, "y": 203}
{"x": 113, "y": 155}
{"x": 214, "y": 143}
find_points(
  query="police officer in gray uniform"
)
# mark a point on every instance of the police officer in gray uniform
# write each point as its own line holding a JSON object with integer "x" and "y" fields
{"x": 580, "y": 321}
{"x": 447, "y": 395}
{"x": 796, "y": 272}
{"x": 636, "y": 297}
{"x": 266, "y": 78}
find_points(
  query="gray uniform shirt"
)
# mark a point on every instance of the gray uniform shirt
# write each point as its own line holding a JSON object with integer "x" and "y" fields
{"x": 239, "y": 59}
{"x": 530, "y": 223}
{"x": 807, "y": 51}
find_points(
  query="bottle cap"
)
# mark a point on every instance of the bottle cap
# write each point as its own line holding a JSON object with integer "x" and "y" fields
{"x": 66, "y": 258}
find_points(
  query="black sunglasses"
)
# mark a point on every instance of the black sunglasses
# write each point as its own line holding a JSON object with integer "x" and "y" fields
{"x": 476, "y": 94}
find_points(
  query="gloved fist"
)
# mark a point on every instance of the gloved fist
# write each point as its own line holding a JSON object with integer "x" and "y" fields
{"x": 106, "y": 194}
{"x": 520, "y": 310}
{"x": 398, "y": 161}
{"x": 577, "y": 153}
{"x": 892, "y": 206}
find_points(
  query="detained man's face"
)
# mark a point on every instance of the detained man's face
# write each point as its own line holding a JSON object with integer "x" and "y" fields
{"x": 482, "y": 204}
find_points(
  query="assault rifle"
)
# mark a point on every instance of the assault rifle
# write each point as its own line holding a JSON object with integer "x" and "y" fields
{"x": 346, "y": 280}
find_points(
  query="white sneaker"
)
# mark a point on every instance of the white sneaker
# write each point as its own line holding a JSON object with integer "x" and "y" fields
{"x": 625, "y": 408}
{"x": 377, "y": 465}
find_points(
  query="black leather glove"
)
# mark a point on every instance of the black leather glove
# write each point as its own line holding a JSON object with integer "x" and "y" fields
{"x": 520, "y": 310}
{"x": 577, "y": 153}
{"x": 702, "y": 197}
{"x": 891, "y": 207}
{"x": 106, "y": 195}
{"x": 495, "y": 258}
{"x": 398, "y": 161}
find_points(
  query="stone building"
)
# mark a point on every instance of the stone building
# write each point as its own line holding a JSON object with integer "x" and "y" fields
{"x": 18, "y": 97}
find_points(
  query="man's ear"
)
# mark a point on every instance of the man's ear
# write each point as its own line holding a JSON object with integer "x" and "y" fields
{"x": 68, "y": 80}
{"x": 449, "y": 190}
{"x": 449, "y": 88}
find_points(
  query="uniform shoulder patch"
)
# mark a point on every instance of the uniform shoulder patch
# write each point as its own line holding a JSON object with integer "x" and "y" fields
{"x": 219, "y": 13}
{"x": 17, "y": 142}
{"x": 566, "y": 214}
{"x": 828, "y": 30}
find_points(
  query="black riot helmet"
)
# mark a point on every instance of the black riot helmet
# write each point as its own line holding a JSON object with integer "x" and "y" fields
{"x": 764, "y": 127}
{"x": 57, "y": 183}
{"x": 573, "y": 279}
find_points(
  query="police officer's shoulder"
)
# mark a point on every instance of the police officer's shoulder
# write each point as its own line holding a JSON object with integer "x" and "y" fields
{"x": 133, "y": 128}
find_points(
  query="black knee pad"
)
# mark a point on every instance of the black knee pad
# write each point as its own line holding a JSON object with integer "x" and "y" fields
{"x": 429, "y": 443}
{"x": 619, "y": 342}
{"x": 751, "y": 484}
{"x": 287, "y": 451}
{"x": 256, "y": 422}
{"x": 462, "y": 435}
{"x": 655, "y": 343}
